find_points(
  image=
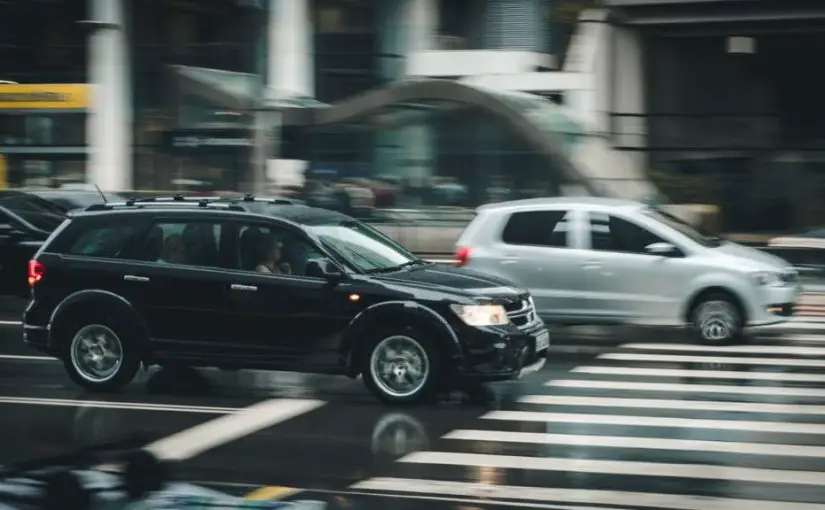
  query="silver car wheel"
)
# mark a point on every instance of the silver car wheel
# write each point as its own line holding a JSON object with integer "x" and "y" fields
{"x": 399, "y": 366}
{"x": 717, "y": 320}
{"x": 96, "y": 353}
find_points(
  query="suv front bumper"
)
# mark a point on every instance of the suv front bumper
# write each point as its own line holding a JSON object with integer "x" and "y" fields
{"x": 504, "y": 354}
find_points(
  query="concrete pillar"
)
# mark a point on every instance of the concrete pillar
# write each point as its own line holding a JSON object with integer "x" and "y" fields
{"x": 627, "y": 80}
{"x": 109, "y": 122}
{"x": 420, "y": 19}
{"x": 290, "y": 55}
{"x": 290, "y": 72}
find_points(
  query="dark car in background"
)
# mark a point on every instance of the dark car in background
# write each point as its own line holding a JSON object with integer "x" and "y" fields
{"x": 69, "y": 199}
{"x": 26, "y": 221}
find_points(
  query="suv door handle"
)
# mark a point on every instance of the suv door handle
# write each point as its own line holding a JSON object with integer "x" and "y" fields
{"x": 247, "y": 288}
{"x": 509, "y": 259}
{"x": 133, "y": 278}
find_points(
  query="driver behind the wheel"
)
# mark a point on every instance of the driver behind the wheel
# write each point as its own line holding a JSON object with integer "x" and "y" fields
{"x": 271, "y": 257}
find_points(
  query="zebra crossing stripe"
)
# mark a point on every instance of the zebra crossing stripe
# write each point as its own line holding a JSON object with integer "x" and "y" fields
{"x": 685, "y": 405}
{"x": 705, "y": 374}
{"x": 644, "y": 443}
{"x": 658, "y": 421}
{"x": 783, "y": 391}
{"x": 619, "y": 467}
{"x": 486, "y": 493}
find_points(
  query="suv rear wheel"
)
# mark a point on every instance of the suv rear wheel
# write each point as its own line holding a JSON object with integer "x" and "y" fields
{"x": 717, "y": 319}
{"x": 99, "y": 357}
{"x": 401, "y": 367}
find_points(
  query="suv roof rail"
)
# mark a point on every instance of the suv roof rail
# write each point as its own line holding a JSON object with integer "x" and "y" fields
{"x": 249, "y": 197}
{"x": 139, "y": 204}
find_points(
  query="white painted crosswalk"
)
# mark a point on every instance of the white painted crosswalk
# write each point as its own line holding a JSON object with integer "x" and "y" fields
{"x": 646, "y": 425}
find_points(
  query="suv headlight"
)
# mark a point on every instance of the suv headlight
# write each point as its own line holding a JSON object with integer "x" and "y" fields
{"x": 481, "y": 315}
{"x": 766, "y": 279}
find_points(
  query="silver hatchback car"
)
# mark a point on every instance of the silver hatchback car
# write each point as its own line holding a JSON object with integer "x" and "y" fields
{"x": 596, "y": 260}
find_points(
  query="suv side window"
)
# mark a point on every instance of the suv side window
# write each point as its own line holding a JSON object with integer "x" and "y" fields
{"x": 273, "y": 250}
{"x": 186, "y": 242}
{"x": 104, "y": 241}
{"x": 538, "y": 228}
{"x": 611, "y": 233}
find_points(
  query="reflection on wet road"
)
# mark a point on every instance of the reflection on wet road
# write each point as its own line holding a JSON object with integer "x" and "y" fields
{"x": 639, "y": 422}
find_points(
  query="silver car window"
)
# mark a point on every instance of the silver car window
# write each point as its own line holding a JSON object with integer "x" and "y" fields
{"x": 616, "y": 234}
{"x": 538, "y": 228}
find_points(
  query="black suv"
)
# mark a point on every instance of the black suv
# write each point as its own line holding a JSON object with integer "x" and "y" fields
{"x": 271, "y": 285}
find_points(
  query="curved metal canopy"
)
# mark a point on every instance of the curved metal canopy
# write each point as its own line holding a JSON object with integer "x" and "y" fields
{"x": 545, "y": 126}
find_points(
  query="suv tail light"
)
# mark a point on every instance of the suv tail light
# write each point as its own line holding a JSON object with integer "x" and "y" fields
{"x": 36, "y": 272}
{"x": 462, "y": 256}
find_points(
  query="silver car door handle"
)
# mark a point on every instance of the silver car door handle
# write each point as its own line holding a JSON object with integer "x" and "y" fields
{"x": 133, "y": 278}
{"x": 591, "y": 264}
{"x": 509, "y": 260}
{"x": 247, "y": 288}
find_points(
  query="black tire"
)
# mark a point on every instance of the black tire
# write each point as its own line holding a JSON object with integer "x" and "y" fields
{"x": 717, "y": 319}
{"x": 129, "y": 358}
{"x": 419, "y": 393}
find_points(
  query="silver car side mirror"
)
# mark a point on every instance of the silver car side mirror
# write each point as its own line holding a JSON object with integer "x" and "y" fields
{"x": 662, "y": 249}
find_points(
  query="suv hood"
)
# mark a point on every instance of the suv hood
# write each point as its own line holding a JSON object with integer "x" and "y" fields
{"x": 753, "y": 256}
{"x": 454, "y": 280}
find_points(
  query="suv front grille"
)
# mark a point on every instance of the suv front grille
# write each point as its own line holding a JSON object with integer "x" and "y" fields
{"x": 522, "y": 313}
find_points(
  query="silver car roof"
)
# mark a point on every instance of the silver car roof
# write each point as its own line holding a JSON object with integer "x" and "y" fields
{"x": 567, "y": 202}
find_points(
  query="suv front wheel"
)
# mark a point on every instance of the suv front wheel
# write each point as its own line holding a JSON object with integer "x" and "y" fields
{"x": 401, "y": 367}
{"x": 100, "y": 358}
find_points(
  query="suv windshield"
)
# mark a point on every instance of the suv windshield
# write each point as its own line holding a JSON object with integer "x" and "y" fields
{"x": 706, "y": 239}
{"x": 363, "y": 247}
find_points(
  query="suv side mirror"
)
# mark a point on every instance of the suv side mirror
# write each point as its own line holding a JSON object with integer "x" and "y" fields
{"x": 323, "y": 268}
{"x": 662, "y": 249}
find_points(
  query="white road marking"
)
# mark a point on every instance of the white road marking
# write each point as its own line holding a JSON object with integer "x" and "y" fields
{"x": 484, "y": 493}
{"x": 646, "y": 443}
{"x": 732, "y": 360}
{"x": 688, "y": 388}
{"x": 686, "y": 405}
{"x": 708, "y": 374}
{"x": 21, "y": 357}
{"x": 745, "y": 349}
{"x": 200, "y": 438}
{"x": 658, "y": 421}
{"x": 139, "y": 406}
{"x": 619, "y": 467}
{"x": 798, "y": 337}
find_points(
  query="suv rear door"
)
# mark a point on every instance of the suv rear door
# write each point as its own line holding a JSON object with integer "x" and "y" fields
{"x": 179, "y": 272}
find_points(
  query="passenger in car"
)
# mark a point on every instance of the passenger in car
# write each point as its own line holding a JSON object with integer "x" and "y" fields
{"x": 174, "y": 251}
{"x": 271, "y": 257}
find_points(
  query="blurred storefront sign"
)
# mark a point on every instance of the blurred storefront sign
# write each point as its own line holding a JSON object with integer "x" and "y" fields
{"x": 206, "y": 140}
{"x": 43, "y": 133}
{"x": 44, "y": 97}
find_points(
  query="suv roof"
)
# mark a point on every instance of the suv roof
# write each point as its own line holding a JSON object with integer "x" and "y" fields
{"x": 288, "y": 209}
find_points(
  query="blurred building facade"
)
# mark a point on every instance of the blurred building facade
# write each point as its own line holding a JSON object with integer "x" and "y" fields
{"x": 709, "y": 96}
{"x": 733, "y": 111}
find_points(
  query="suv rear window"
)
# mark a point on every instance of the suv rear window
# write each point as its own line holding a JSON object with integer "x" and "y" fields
{"x": 537, "y": 228}
{"x": 105, "y": 242}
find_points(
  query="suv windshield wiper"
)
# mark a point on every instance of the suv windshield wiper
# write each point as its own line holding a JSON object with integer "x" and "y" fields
{"x": 399, "y": 267}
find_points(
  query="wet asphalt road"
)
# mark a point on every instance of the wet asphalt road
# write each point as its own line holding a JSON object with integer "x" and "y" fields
{"x": 627, "y": 421}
